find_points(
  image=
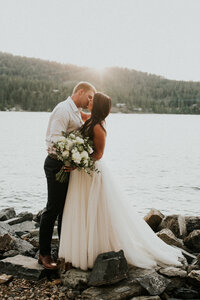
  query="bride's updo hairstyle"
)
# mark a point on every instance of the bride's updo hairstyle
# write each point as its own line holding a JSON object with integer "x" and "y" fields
{"x": 100, "y": 110}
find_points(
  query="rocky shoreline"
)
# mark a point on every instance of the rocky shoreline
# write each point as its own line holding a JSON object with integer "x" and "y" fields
{"x": 21, "y": 277}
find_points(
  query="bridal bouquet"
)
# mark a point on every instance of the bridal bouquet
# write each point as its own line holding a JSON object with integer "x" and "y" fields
{"x": 74, "y": 150}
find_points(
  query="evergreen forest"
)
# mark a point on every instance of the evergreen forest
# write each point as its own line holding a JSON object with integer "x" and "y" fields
{"x": 32, "y": 84}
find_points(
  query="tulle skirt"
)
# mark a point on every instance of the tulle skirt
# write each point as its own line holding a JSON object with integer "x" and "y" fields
{"x": 97, "y": 218}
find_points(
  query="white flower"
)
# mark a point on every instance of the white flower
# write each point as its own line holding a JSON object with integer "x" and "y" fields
{"x": 84, "y": 155}
{"x": 72, "y": 136}
{"x": 85, "y": 163}
{"x": 76, "y": 157}
{"x": 68, "y": 144}
{"x": 79, "y": 140}
{"x": 90, "y": 150}
{"x": 61, "y": 139}
{"x": 65, "y": 153}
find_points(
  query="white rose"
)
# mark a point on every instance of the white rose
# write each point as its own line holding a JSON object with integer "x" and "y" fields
{"x": 68, "y": 144}
{"x": 65, "y": 153}
{"x": 85, "y": 163}
{"x": 79, "y": 140}
{"x": 84, "y": 154}
{"x": 76, "y": 157}
{"x": 72, "y": 136}
{"x": 61, "y": 139}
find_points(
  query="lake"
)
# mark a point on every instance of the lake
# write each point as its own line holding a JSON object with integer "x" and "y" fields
{"x": 154, "y": 158}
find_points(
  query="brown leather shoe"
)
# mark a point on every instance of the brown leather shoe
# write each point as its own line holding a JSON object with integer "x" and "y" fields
{"x": 47, "y": 262}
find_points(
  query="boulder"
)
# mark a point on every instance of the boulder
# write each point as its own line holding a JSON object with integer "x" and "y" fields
{"x": 146, "y": 298}
{"x": 109, "y": 268}
{"x": 22, "y": 267}
{"x": 192, "y": 241}
{"x": 25, "y": 214}
{"x": 192, "y": 223}
{"x": 173, "y": 272}
{"x": 176, "y": 223}
{"x": 154, "y": 218}
{"x": 9, "y": 242}
{"x": 75, "y": 279}
{"x": 194, "y": 277}
{"x": 169, "y": 238}
{"x": 185, "y": 293}
{"x": 189, "y": 256}
{"x": 6, "y": 228}
{"x": 6, "y": 243}
{"x": 20, "y": 219}
{"x": 175, "y": 284}
{"x": 7, "y": 213}
{"x": 24, "y": 227}
{"x": 37, "y": 217}
{"x": 5, "y": 278}
{"x": 117, "y": 291}
{"x": 154, "y": 283}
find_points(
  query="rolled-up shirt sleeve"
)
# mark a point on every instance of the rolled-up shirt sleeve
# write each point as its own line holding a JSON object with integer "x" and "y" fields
{"x": 59, "y": 122}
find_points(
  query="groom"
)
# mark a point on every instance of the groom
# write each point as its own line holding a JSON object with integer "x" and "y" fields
{"x": 66, "y": 117}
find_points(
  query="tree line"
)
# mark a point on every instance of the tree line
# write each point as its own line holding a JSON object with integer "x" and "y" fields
{"x": 36, "y": 85}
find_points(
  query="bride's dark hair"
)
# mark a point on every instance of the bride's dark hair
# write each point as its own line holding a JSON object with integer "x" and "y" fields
{"x": 100, "y": 110}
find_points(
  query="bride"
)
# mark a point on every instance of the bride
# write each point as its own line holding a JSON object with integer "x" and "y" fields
{"x": 97, "y": 218}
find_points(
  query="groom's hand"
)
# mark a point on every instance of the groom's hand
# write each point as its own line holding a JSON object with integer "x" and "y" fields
{"x": 68, "y": 169}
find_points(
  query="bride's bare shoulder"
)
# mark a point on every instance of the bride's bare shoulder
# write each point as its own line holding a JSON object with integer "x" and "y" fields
{"x": 99, "y": 130}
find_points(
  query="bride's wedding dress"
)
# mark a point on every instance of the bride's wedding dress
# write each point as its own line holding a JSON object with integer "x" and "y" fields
{"x": 97, "y": 218}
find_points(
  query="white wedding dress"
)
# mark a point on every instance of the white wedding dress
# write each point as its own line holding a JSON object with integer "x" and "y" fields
{"x": 97, "y": 218}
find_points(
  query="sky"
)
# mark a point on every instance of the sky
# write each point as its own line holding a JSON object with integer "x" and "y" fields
{"x": 155, "y": 36}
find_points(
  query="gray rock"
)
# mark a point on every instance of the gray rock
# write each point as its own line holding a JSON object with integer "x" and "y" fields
{"x": 189, "y": 256}
{"x": 4, "y": 278}
{"x": 10, "y": 253}
{"x": 194, "y": 277}
{"x": 6, "y": 228}
{"x": 109, "y": 268}
{"x": 173, "y": 272}
{"x": 192, "y": 223}
{"x": 26, "y": 214}
{"x": 154, "y": 218}
{"x": 7, "y": 213}
{"x": 24, "y": 226}
{"x": 168, "y": 237}
{"x": 185, "y": 293}
{"x": 20, "y": 219}
{"x": 75, "y": 279}
{"x": 154, "y": 283}
{"x": 118, "y": 291}
{"x": 176, "y": 224}
{"x": 9, "y": 242}
{"x": 38, "y": 216}
{"x": 196, "y": 261}
{"x": 135, "y": 272}
{"x": 6, "y": 243}
{"x": 23, "y": 247}
{"x": 176, "y": 283}
{"x": 192, "y": 241}
{"x": 22, "y": 267}
{"x": 146, "y": 298}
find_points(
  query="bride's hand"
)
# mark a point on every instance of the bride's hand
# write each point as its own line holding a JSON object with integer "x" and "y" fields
{"x": 68, "y": 169}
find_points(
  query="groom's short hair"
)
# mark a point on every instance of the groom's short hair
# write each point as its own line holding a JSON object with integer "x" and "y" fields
{"x": 86, "y": 86}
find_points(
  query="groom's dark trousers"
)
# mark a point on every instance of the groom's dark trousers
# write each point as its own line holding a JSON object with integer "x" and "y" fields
{"x": 56, "y": 199}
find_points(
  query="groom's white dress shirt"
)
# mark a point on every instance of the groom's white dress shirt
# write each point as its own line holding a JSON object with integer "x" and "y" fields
{"x": 65, "y": 117}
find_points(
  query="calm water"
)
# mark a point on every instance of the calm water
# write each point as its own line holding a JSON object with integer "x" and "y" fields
{"x": 155, "y": 159}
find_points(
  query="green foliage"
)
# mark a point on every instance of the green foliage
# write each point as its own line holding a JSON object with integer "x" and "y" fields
{"x": 37, "y": 85}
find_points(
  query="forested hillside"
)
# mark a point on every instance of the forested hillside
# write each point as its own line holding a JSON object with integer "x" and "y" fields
{"x": 38, "y": 85}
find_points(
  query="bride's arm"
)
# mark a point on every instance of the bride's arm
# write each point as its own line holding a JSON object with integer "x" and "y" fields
{"x": 99, "y": 141}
